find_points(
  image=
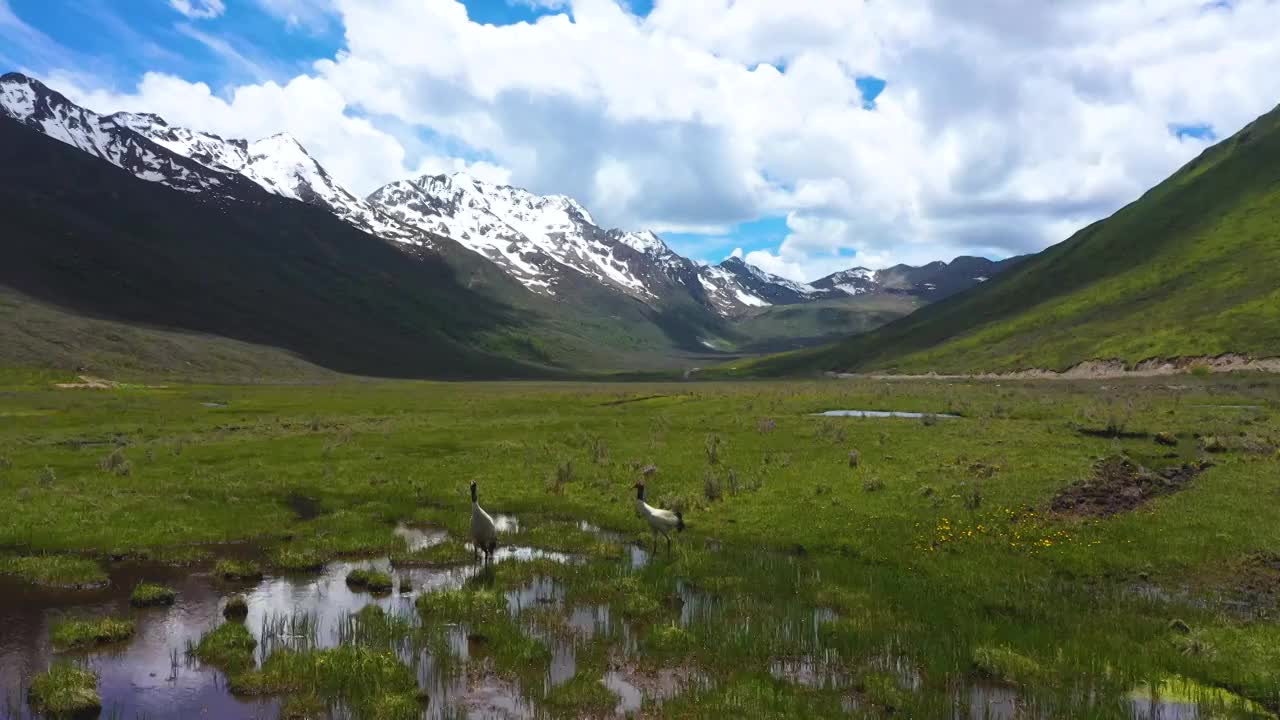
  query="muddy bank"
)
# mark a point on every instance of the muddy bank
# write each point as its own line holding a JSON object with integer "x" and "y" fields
{"x": 1104, "y": 369}
{"x": 1117, "y": 484}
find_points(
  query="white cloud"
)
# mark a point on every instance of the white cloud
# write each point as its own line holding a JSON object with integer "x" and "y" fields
{"x": 1004, "y": 124}
{"x": 199, "y": 9}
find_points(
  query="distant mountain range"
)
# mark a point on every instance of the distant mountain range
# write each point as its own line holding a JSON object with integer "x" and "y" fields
{"x": 618, "y": 292}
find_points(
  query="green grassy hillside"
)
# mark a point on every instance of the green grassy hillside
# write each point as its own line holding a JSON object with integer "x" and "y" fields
{"x": 787, "y": 327}
{"x": 1189, "y": 269}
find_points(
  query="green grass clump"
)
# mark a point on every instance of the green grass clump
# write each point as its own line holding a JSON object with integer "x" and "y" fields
{"x": 373, "y": 682}
{"x": 152, "y": 595}
{"x": 237, "y": 608}
{"x": 238, "y": 570}
{"x": 461, "y": 605}
{"x": 374, "y": 581}
{"x": 303, "y": 707}
{"x": 66, "y": 690}
{"x": 884, "y": 691}
{"x": 444, "y": 554}
{"x": 1006, "y": 665}
{"x": 668, "y": 640}
{"x": 292, "y": 559}
{"x": 80, "y": 634}
{"x": 228, "y": 647}
{"x": 60, "y": 571}
{"x": 584, "y": 695}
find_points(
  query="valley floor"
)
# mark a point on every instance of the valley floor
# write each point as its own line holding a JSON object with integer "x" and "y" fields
{"x": 1067, "y": 549}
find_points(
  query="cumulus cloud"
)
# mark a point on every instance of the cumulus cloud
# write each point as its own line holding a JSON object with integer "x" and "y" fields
{"x": 199, "y": 9}
{"x": 1003, "y": 127}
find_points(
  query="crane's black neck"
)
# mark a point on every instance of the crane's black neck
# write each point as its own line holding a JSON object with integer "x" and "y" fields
{"x": 473, "y": 492}
{"x": 640, "y": 492}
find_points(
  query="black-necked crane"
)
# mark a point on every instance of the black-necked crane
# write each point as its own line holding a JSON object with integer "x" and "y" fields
{"x": 660, "y": 521}
{"x": 484, "y": 534}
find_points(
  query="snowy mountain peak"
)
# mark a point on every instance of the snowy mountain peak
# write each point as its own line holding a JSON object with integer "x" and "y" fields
{"x": 646, "y": 242}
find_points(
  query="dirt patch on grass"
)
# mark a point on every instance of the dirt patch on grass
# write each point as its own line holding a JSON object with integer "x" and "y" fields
{"x": 1252, "y": 584}
{"x": 1117, "y": 484}
{"x": 89, "y": 382}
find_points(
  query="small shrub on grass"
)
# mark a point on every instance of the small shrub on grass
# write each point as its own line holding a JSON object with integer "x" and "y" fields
{"x": 66, "y": 690}
{"x": 1212, "y": 444}
{"x": 81, "y": 634}
{"x": 713, "y": 449}
{"x": 1200, "y": 370}
{"x": 972, "y": 496}
{"x": 563, "y": 476}
{"x": 152, "y": 595}
{"x": 5, "y": 463}
{"x": 237, "y": 570}
{"x": 599, "y": 451}
{"x": 115, "y": 462}
{"x": 228, "y": 647}
{"x": 59, "y": 571}
{"x": 46, "y": 477}
{"x": 929, "y": 419}
{"x": 711, "y": 489}
{"x": 237, "y": 608}
{"x": 374, "y": 581}
{"x": 873, "y": 485}
{"x": 855, "y": 458}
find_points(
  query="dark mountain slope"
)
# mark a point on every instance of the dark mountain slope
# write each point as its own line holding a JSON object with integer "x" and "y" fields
{"x": 1189, "y": 269}
{"x": 91, "y": 237}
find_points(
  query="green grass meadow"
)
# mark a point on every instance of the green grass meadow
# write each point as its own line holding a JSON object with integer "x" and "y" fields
{"x": 932, "y": 568}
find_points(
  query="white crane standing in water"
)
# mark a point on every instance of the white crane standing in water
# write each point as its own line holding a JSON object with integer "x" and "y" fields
{"x": 484, "y": 534}
{"x": 660, "y": 521}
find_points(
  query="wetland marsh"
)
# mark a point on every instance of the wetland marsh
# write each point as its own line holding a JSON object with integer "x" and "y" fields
{"x": 1045, "y": 553}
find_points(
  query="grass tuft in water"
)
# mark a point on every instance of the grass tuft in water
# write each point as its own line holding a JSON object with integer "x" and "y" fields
{"x": 373, "y": 683}
{"x": 81, "y": 634}
{"x": 584, "y": 695}
{"x": 447, "y": 553}
{"x": 374, "y": 581}
{"x": 152, "y": 595}
{"x": 303, "y": 707}
{"x": 59, "y": 571}
{"x": 238, "y": 570}
{"x": 293, "y": 559}
{"x": 1005, "y": 665}
{"x": 228, "y": 647}
{"x": 461, "y": 605}
{"x": 237, "y": 608}
{"x": 66, "y": 690}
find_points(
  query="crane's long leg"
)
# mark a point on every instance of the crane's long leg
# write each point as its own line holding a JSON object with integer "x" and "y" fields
{"x": 667, "y": 535}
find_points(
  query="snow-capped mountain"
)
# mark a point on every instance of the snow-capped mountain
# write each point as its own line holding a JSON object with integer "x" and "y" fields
{"x": 538, "y": 238}
{"x": 854, "y": 281}
{"x": 550, "y": 244}
{"x": 31, "y": 103}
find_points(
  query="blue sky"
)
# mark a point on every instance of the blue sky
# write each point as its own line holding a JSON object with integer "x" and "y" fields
{"x": 875, "y": 137}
